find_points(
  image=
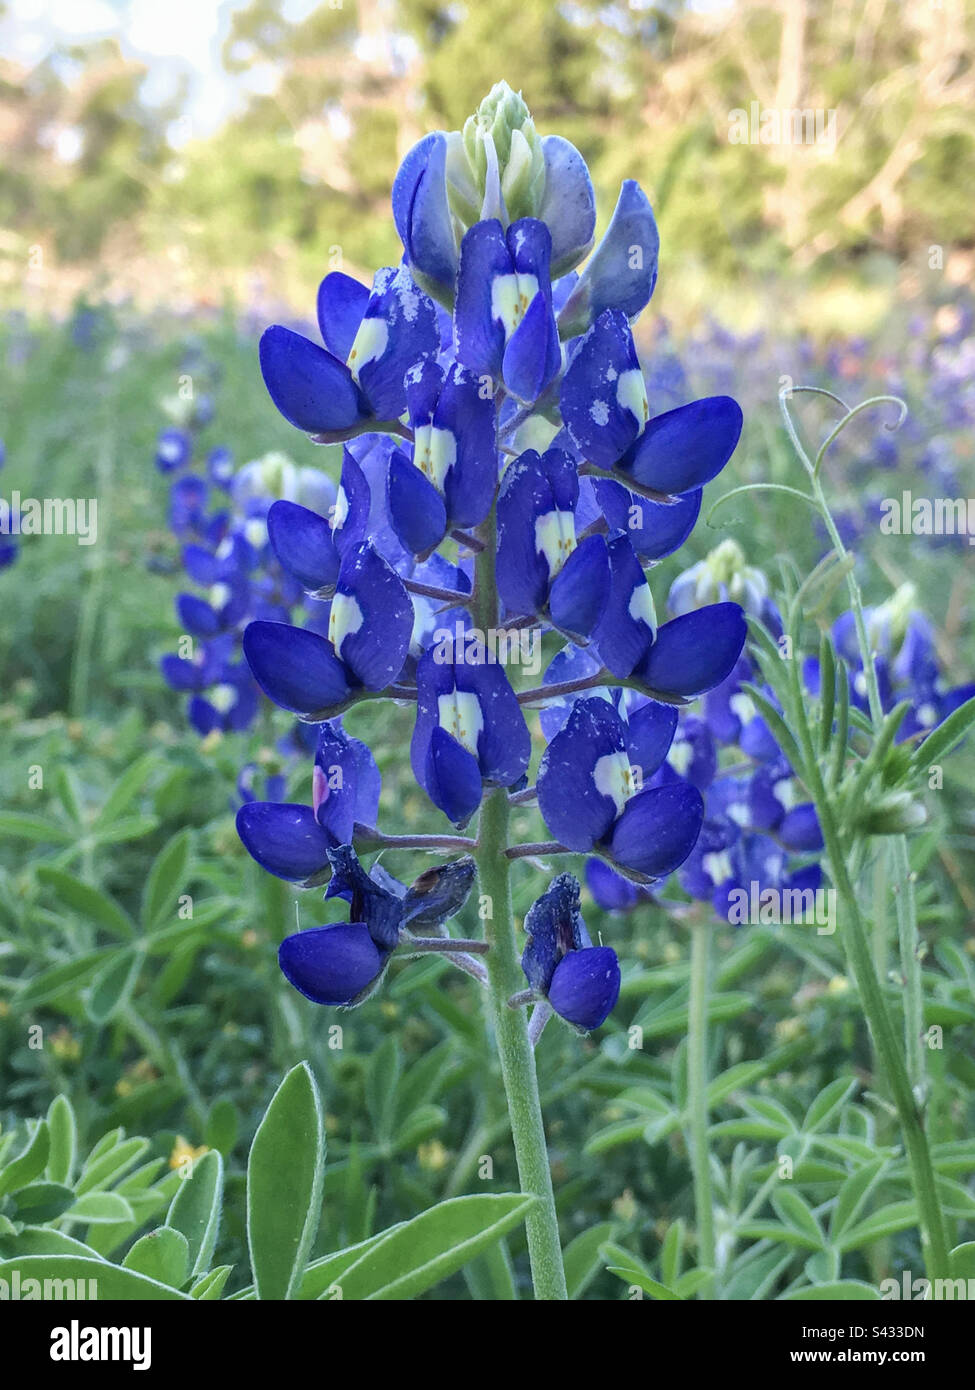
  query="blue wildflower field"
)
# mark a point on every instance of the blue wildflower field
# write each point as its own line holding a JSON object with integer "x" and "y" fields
{"x": 487, "y": 778}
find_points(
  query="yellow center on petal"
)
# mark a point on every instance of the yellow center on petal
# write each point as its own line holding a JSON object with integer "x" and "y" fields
{"x": 344, "y": 619}
{"x": 459, "y": 712}
{"x": 434, "y": 453}
{"x": 616, "y": 778}
{"x": 555, "y": 538}
{"x": 510, "y": 298}
{"x": 369, "y": 344}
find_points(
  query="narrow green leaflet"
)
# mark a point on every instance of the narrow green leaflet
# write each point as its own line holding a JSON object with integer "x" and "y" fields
{"x": 284, "y": 1185}
{"x": 420, "y": 1253}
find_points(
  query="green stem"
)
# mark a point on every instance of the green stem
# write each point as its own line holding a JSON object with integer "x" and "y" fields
{"x": 697, "y": 1094}
{"x": 910, "y": 967}
{"x": 923, "y": 1181}
{"x": 504, "y": 979}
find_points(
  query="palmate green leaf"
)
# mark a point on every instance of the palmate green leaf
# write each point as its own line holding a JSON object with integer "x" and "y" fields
{"x": 112, "y": 986}
{"x": 163, "y": 1254}
{"x": 57, "y": 979}
{"x": 887, "y": 1221}
{"x": 91, "y": 904}
{"x": 793, "y": 1209}
{"x": 124, "y": 791}
{"x": 284, "y": 1185}
{"x": 827, "y": 1103}
{"x": 419, "y": 1253}
{"x": 112, "y": 1281}
{"x": 195, "y": 1210}
{"x": 63, "y": 1132}
{"x": 780, "y": 1233}
{"x": 166, "y": 882}
{"x": 853, "y": 1195}
{"x": 29, "y": 1163}
{"x": 582, "y": 1259}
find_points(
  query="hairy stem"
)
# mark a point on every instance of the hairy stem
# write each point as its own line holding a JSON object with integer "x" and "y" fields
{"x": 505, "y": 979}
{"x": 697, "y": 1094}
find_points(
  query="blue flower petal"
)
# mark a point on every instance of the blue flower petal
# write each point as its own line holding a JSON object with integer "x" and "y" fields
{"x": 313, "y": 390}
{"x": 398, "y": 330}
{"x": 341, "y": 305}
{"x": 451, "y": 777}
{"x": 285, "y": 839}
{"x": 658, "y": 829}
{"x": 586, "y": 986}
{"x": 603, "y": 392}
{"x": 302, "y": 541}
{"x": 296, "y": 668}
{"x": 650, "y": 732}
{"x": 654, "y": 529}
{"x": 576, "y": 812}
{"x": 416, "y": 509}
{"x": 685, "y": 448}
{"x": 627, "y": 627}
{"x": 694, "y": 653}
{"x": 371, "y": 620}
{"x": 478, "y": 335}
{"x": 580, "y": 591}
{"x": 331, "y": 965}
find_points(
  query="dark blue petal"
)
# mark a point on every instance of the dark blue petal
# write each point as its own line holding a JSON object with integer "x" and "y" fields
{"x": 341, "y": 305}
{"x": 649, "y": 734}
{"x": 346, "y": 783}
{"x": 580, "y": 591}
{"x": 586, "y": 986}
{"x": 296, "y": 668}
{"x": 478, "y": 335}
{"x": 694, "y": 653}
{"x": 410, "y": 334}
{"x": 685, "y": 448}
{"x": 610, "y": 890}
{"x": 554, "y": 927}
{"x": 422, "y": 213}
{"x": 285, "y": 839}
{"x": 416, "y": 509}
{"x": 331, "y": 965}
{"x": 603, "y": 393}
{"x": 627, "y": 625}
{"x": 313, "y": 390}
{"x": 196, "y": 615}
{"x": 371, "y": 619}
{"x": 658, "y": 829}
{"x": 302, "y": 542}
{"x": 654, "y": 529}
{"x": 467, "y": 412}
{"x": 800, "y": 830}
{"x": 576, "y": 812}
{"x": 451, "y": 777}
